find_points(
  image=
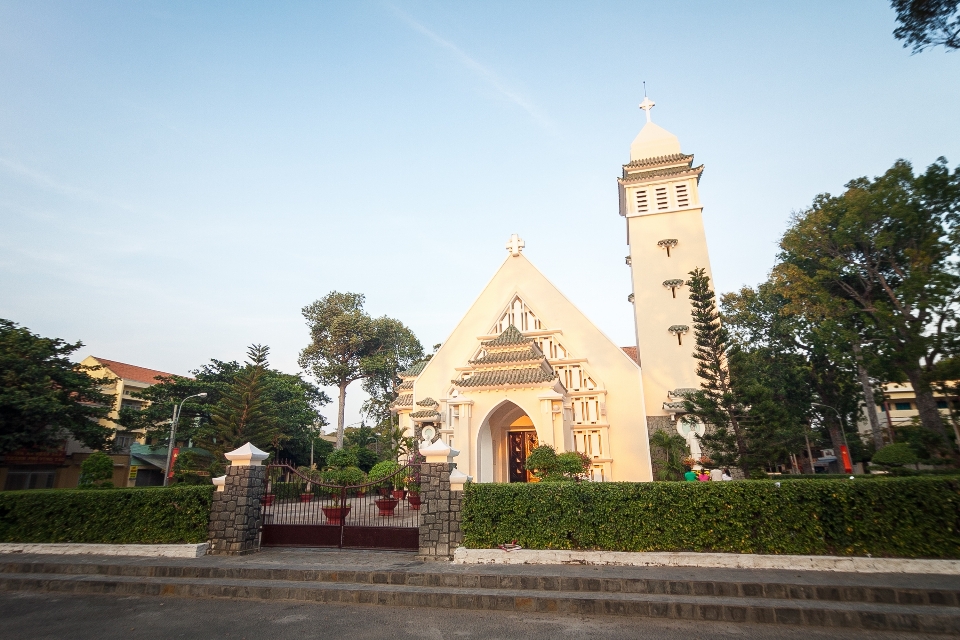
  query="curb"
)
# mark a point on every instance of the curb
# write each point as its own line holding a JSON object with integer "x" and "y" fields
{"x": 715, "y": 560}
{"x": 140, "y": 550}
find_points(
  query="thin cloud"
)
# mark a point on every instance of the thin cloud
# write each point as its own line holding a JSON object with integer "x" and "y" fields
{"x": 46, "y": 182}
{"x": 479, "y": 69}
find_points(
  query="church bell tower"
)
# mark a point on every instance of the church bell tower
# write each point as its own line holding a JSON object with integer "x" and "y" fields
{"x": 659, "y": 199}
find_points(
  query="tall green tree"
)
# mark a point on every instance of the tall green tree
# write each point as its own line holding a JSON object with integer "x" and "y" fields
{"x": 244, "y": 412}
{"x": 44, "y": 397}
{"x": 348, "y": 345}
{"x": 885, "y": 252}
{"x": 295, "y": 403}
{"x": 716, "y": 402}
{"x": 928, "y": 23}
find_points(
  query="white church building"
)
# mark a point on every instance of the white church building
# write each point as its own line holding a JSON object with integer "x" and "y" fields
{"x": 526, "y": 367}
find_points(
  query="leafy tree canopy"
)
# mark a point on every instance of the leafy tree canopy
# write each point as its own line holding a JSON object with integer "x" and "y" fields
{"x": 883, "y": 254}
{"x": 347, "y": 345}
{"x": 44, "y": 397}
{"x": 928, "y": 23}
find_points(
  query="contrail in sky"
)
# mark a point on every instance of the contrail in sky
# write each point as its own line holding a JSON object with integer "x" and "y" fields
{"x": 484, "y": 72}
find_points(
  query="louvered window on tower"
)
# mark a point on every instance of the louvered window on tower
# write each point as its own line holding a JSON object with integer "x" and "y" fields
{"x": 682, "y": 198}
{"x": 641, "y": 201}
{"x": 662, "y": 199}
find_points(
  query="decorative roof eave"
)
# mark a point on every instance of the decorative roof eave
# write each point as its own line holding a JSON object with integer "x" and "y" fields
{"x": 415, "y": 370}
{"x": 405, "y": 400}
{"x": 645, "y": 176}
{"x": 428, "y": 402}
{"x": 675, "y": 407}
{"x": 425, "y": 416}
{"x": 674, "y": 158}
{"x": 510, "y": 336}
{"x": 548, "y": 384}
{"x": 499, "y": 357}
{"x": 534, "y": 376}
{"x": 406, "y": 385}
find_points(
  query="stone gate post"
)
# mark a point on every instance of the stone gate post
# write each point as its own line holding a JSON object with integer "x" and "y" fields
{"x": 441, "y": 494}
{"x": 235, "y": 513}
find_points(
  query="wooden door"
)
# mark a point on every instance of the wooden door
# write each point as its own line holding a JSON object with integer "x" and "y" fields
{"x": 519, "y": 446}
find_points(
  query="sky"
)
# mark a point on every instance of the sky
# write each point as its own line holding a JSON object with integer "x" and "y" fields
{"x": 179, "y": 179}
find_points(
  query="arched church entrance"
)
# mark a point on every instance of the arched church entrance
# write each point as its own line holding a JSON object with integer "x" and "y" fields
{"x": 506, "y": 438}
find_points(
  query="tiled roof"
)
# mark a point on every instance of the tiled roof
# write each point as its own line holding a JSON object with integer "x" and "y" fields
{"x": 427, "y": 402}
{"x": 496, "y": 378}
{"x": 632, "y": 352}
{"x": 427, "y": 414}
{"x": 658, "y": 173}
{"x": 531, "y": 353}
{"x": 405, "y": 400}
{"x": 414, "y": 370}
{"x": 510, "y": 336}
{"x": 133, "y": 372}
{"x": 405, "y": 386}
{"x": 670, "y": 159}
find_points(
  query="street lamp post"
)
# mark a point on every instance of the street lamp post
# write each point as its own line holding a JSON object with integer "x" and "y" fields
{"x": 842, "y": 430}
{"x": 173, "y": 434}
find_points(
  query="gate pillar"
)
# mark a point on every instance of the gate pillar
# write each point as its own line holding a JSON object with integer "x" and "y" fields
{"x": 441, "y": 494}
{"x": 235, "y": 514}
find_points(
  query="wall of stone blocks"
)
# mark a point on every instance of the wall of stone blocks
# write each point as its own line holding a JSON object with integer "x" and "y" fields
{"x": 235, "y": 515}
{"x": 440, "y": 532}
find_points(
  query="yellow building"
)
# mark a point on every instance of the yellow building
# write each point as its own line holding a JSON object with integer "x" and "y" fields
{"x": 60, "y": 469}
{"x": 900, "y": 408}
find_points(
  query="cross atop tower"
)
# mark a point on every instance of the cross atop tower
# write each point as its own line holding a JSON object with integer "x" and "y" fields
{"x": 515, "y": 245}
{"x": 646, "y": 105}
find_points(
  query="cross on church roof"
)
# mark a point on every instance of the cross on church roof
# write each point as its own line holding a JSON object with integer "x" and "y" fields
{"x": 646, "y": 105}
{"x": 515, "y": 245}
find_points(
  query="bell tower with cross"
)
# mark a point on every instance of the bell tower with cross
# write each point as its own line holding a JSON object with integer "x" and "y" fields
{"x": 660, "y": 200}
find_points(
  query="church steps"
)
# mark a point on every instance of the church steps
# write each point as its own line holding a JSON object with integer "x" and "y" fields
{"x": 901, "y": 602}
{"x": 820, "y": 613}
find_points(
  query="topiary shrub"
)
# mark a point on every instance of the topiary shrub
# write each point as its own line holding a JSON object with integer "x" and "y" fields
{"x": 544, "y": 463}
{"x": 895, "y": 455}
{"x": 346, "y": 477}
{"x": 341, "y": 459}
{"x": 96, "y": 472}
{"x": 383, "y": 470}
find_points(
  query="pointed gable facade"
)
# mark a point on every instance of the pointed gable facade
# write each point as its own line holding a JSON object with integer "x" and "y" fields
{"x": 526, "y": 367}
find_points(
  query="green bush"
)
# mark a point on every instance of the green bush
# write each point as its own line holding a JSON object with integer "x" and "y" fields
{"x": 341, "y": 459}
{"x": 383, "y": 470}
{"x": 546, "y": 465}
{"x": 907, "y": 517}
{"x": 346, "y": 477}
{"x": 895, "y": 455}
{"x": 96, "y": 472}
{"x": 153, "y": 515}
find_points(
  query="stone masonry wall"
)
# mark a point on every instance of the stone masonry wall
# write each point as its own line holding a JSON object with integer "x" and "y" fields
{"x": 440, "y": 532}
{"x": 235, "y": 514}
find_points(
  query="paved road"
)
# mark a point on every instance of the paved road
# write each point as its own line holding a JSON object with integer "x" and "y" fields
{"x": 36, "y": 616}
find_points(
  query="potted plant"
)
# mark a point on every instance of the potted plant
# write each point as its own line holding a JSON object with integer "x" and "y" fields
{"x": 412, "y": 482}
{"x": 335, "y": 513}
{"x": 387, "y": 472}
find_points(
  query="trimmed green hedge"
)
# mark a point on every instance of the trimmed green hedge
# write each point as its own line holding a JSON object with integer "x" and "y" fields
{"x": 904, "y": 517}
{"x": 121, "y": 516}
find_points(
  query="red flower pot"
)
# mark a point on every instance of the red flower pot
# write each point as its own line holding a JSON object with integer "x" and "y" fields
{"x": 336, "y": 515}
{"x": 387, "y": 506}
{"x": 306, "y": 497}
{"x": 399, "y": 494}
{"x": 267, "y": 500}
{"x": 413, "y": 499}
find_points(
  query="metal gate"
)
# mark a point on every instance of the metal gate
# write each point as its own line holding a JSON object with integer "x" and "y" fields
{"x": 300, "y": 512}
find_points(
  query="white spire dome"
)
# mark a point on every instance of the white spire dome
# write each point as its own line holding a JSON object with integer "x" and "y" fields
{"x": 653, "y": 140}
